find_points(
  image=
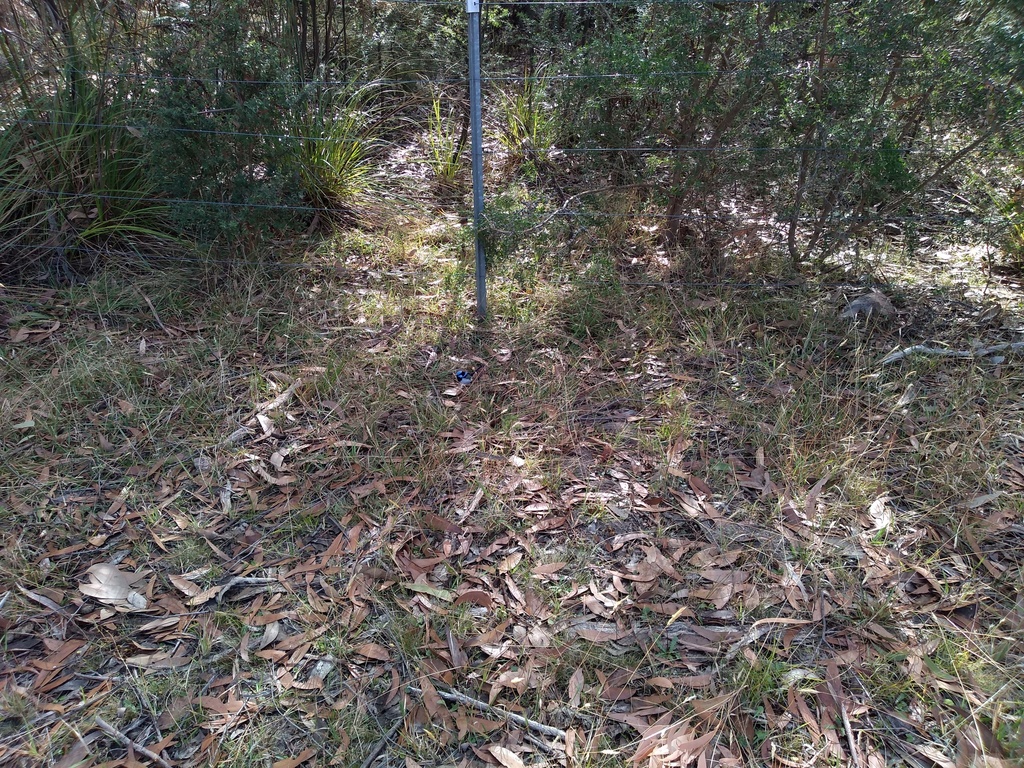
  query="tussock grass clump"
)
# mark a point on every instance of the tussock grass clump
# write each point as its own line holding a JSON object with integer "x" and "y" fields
{"x": 73, "y": 185}
{"x": 74, "y": 181}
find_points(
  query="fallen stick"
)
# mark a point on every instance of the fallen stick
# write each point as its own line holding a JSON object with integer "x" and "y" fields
{"x": 110, "y": 730}
{"x": 235, "y": 437}
{"x": 156, "y": 315}
{"x": 248, "y": 581}
{"x": 757, "y": 630}
{"x": 461, "y": 698}
{"x": 854, "y": 752}
{"x": 381, "y": 744}
{"x": 276, "y": 403}
{"x": 924, "y": 349}
{"x": 261, "y": 410}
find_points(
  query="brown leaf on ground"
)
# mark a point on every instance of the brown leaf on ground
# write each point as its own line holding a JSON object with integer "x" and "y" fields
{"x": 373, "y": 651}
{"x": 294, "y": 762}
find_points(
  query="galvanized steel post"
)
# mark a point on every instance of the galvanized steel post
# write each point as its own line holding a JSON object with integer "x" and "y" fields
{"x": 476, "y": 135}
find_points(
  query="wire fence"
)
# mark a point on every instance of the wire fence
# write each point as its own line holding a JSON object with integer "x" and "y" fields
{"x": 79, "y": 197}
{"x": 778, "y": 218}
{"x": 553, "y": 150}
{"x": 485, "y": 77}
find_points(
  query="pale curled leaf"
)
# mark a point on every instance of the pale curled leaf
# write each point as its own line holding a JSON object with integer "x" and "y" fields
{"x": 113, "y": 587}
{"x": 136, "y": 601}
{"x": 159, "y": 660}
{"x": 506, "y": 757}
{"x": 510, "y": 562}
{"x": 270, "y": 634}
{"x": 980, "y": 501}
{"x": 190, "y": 588}
{"x": 576, "y": 687}
{"x": 881, "y": 514}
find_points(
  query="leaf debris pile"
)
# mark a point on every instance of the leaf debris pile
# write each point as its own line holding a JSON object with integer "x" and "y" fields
{"x": 719, "y": 542}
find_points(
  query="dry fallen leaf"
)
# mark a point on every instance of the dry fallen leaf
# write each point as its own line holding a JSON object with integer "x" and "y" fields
{"x": 292, "y": 762}
{"x": 190, "y": 588}
{"x": 475, "y": 596}
{"x": 510, "y": 562}
{"x": 113, "y": 587}
{"x": 881, "y": 514}
{"x": 427, "y": 589}
{"x": 159, "y": 660}
{"x": 373, "y": 651}
{"x": 270, "y": 634}
{"x": 507, "y": 757}
{"x": 575, "y": 687}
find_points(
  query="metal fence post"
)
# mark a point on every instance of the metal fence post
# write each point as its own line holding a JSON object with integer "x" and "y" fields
{"x": 476, "y": 135}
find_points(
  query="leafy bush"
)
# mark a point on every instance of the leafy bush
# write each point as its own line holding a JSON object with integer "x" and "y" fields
{"x": 1007, "y": 199}
{"x": 220, "y": 107}
{"x": 527, "y": 123}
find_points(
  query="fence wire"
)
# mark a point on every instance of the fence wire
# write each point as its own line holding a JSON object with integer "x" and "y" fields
{"x": 315, "y": 266}
{"x": 312, "y": 83}
{"x": 650, "y": 149}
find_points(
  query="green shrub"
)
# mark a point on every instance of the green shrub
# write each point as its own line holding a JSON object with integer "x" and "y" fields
{"x": 527, "y": 123}
{"x": 335, "y": 158}
{"x": 220, "y": 117}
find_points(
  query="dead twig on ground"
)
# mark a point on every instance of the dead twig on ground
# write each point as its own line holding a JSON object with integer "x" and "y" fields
{"x": 924, "y": 349}
{"x": 110, "y": 730}
{"x": 854, "y": 752}
{"x": 247, "y": 581}
{"x": 277, "y": 402}
{"x": 244, "y": 431}
{"x": 381, "y": 743}
{"x": 156, "y": 315}
{"x": 482, "y": 706}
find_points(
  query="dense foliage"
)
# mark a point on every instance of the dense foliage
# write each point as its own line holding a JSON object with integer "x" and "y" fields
{"x": 126, "y": 124}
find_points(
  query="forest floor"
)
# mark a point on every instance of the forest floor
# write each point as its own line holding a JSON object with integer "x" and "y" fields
{"x": 254, "y": 519}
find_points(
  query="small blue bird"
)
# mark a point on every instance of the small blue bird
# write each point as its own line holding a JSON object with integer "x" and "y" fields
{"x": 464, "y": 377}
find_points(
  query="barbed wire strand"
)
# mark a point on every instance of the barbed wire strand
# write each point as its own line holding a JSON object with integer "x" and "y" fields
{"x": 781, "y": 219}
{"x": 160, "y": 202}
{"x": 155, "y": 76}
{"x": 795, "y": 70}
{"x": 552, "y": 150}
{"x": 168, "y": 201}
{"x": 514, "y": 3}
{"x": 201, "y": 131}
{"x": 499, "y": 3}
{"x": 820, "y": 150}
